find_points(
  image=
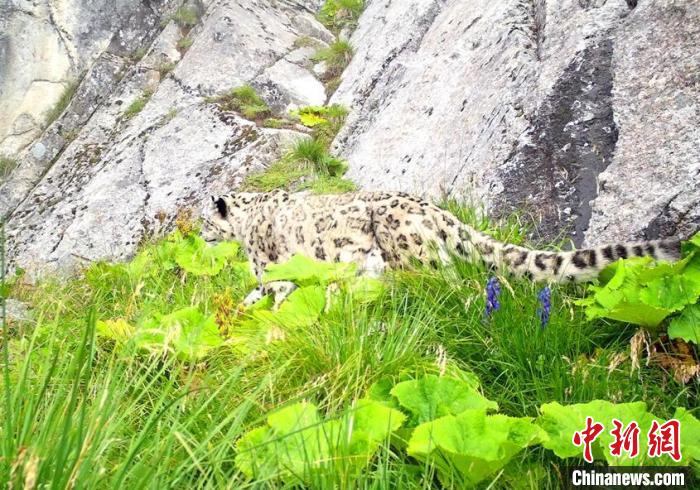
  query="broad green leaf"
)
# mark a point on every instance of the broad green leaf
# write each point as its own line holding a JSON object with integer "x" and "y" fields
{"x": 309, "y": 119}
{"x": 690, "y": 435}
{"x": 304, "y": 271}
{"x": 302, "y": 308}
{"x": 188, "y": 332}
{"x": 474, "y": 444}
{"x": 119, "y": 330}
{"x": 687, "y": 325}
{"x": 643, "y": 292}
{"x": 297, "y": 442}
{"x": 431, "y": 397}
{"x": 670, "y": 293}
{"x": 196, "y": 257}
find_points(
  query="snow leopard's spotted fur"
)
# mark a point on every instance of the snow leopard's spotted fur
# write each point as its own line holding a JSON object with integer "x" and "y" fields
{"x": 386, "y": 229}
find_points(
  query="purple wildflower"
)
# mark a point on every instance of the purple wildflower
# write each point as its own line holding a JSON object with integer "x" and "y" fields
{"x": 493, "y": 289}
{"x": 545, "y": 297}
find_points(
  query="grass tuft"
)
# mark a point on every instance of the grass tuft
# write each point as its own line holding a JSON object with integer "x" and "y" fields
{"x": 7, "y": 165}
{"x": 336, "y": 57}
{"x": 243, "y": 100}
{"x": 137, "y": 105}
{"x": 62, "y": 103}
{"x": 186, "y": 17}
{"x": 184, "y": 44}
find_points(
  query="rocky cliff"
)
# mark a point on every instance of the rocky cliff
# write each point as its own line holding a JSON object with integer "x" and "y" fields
{"x": 585, "y": 113}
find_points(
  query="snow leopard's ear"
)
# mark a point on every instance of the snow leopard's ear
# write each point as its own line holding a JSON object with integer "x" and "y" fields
{"x": 221, "y": 206}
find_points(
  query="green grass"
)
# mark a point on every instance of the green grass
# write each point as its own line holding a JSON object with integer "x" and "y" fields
{"x": 165, "y": 68}
{"x": 79, "y": 412}
{"x": 244, "y": 100}
{"x": 137, "y": 105}
{"x": 336, "y": 56}
{"x": 62, "y": 103}
{"x": 138, "y": 54}
{"x": 185, "y": 17}
{"x": 184, "y": 43}
{"x": 7, "y": 165}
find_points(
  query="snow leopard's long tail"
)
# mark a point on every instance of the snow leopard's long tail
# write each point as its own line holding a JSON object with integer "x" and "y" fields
{"x": 573, "y": 266}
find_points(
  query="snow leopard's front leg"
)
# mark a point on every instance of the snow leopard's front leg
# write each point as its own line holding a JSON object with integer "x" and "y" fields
{"x": 278, "y": 289}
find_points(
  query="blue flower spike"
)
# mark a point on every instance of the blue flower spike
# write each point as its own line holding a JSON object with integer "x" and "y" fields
{"x": 545, "y": 298}
{"x": 493, "y": 290}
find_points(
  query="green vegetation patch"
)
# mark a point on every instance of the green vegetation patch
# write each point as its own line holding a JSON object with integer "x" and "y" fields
{"x": 243, "y": 100}
{"x": 137, "y": 105}
{"x": 7, "y": 165}
{"x": 403, "y": 382}
{"x": 184, "y": 43}
{"x": 336, "y": 57}
{"x": 62, "y": 103}
{"x": 337, "y": 14}
{"x": 642, "y": 291}
{"x": 186, "y": 17}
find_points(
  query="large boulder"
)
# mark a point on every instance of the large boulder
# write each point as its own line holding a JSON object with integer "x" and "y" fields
{"x": 584, "y": 114}
{"x": 123, "y": 175}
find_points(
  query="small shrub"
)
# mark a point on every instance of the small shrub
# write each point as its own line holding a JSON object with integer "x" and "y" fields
{"x": 7, "y": 165}
{"x": 137, "y": 106}
{"x": 336, "y": 14}
{"x": 62, "y": 103}
{"x": 243, "y": 100}
{"x": 184, "y": 43}
{"x": 337, "y": 56}
{"x": 325, "y": 121}
{"x": 165, "y": 68}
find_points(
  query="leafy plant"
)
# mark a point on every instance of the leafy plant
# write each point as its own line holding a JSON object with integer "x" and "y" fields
{"x": 644, "y": 292}
{"x": 325, "y": 121}
{"x": 432, "y": 397}
{"x": 138, "y": 104}
{"x": 297, "y": 444}
{"x": 244, "y": 100}
{"x": 196, "y": 257}
{"x": 472, "y": 445}
{"x": 336, "y": 14}
{"x": 187, "y": 333}
{"x": 304, "y": 271}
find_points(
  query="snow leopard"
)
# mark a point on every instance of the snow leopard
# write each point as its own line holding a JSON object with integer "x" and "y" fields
{"x": 376, "y": 230}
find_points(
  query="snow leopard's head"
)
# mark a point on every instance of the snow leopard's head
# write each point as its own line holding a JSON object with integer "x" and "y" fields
{"x": 220, "y": 220}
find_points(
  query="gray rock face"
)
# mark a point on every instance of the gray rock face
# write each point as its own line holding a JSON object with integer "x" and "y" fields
{"x": 46, "y": 45}
{"x": 583, "y": 113}
{"x": 120, "y": 179}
